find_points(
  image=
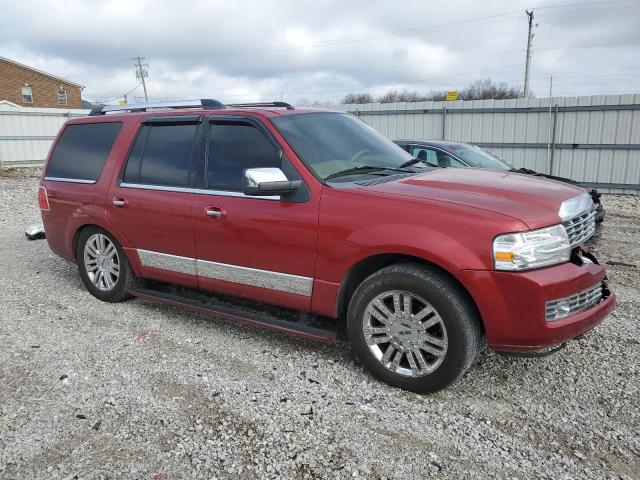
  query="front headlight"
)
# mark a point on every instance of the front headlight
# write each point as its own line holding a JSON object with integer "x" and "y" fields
{"x": 533, "y": 249}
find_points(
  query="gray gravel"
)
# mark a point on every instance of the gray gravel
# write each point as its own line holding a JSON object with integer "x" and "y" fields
{"x": 139, "y": 390}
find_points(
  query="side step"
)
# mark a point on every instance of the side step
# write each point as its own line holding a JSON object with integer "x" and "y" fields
{"x": 236, "y": 313}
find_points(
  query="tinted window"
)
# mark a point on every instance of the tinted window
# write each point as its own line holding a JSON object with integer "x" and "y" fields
{"x": 162, "y": 155}
{"x": 435, "y": 157}
{"x": 82, "y": 150}
{"x": 232, "y": 148}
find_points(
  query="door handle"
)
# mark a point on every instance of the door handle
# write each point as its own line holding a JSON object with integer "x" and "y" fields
{"x": 215, "y": 212}
{"x": 120, "y": 202}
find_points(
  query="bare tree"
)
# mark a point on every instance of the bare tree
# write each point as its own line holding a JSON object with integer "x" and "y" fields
{"x": 436, "y": 96}
{"x": 478, "y": 90}
{"x": 489, "y": 89}
{"x": 402, "y": 96}
{"x": 357, "y": 98}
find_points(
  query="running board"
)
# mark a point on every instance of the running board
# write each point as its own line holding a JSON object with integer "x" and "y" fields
{"x": 238, "y": 314}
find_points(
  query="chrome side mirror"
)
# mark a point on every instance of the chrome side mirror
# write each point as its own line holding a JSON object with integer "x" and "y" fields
{"x": 268, "y": 182}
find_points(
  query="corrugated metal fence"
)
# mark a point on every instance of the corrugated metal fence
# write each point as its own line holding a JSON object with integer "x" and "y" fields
{"x": 595, "y": 140}
{"x": 27, "y": 133}
{"x": 592, "y": 139}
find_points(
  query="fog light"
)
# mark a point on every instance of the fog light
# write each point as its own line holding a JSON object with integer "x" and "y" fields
{"x": 563, "y": 307}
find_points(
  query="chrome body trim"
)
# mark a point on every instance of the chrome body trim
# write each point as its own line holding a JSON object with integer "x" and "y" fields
{"x": 165, "y": 261}
{"x": 198, "y": 191}
{"x": 69, "y": 180}
{"x": 282, "y": 282}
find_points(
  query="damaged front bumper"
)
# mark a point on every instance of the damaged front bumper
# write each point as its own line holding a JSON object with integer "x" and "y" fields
{"x": 516, "y": 307}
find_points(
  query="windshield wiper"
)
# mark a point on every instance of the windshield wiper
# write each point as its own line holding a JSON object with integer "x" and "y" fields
{"x": 413, "y": 161}
{"x": 361, "y": 168}
{"x": 349, "y": 171}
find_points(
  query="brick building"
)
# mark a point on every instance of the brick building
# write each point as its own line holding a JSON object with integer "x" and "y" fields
{"x": 27, "y": 87}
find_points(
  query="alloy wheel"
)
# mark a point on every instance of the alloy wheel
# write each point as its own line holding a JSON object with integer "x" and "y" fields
{"x": 101, "y": 262}
{"x": 405, "y": 333}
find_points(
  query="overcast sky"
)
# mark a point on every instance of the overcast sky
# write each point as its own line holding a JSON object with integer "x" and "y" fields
{"x": 238, "y": 50}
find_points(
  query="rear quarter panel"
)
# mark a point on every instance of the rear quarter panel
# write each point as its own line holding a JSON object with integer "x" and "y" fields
{"x": 73, "y": 205}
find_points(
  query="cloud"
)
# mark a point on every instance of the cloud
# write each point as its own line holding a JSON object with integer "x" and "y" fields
{"x": 256, "y": 50}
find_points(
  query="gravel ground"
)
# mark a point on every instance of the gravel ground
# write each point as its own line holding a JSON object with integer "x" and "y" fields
{"x": 144, "y": 391}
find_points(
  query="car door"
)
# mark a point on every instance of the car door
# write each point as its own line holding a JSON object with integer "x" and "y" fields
{"x": 150, "y": 203}
{"x": 262, "y": 248}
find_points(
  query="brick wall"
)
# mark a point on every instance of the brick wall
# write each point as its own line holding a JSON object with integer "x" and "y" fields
{"x": 44, "y": 88}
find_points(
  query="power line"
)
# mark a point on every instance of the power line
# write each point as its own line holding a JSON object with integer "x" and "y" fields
{"x": 597, "y": 45}
{"x": 120, "y": 96}
{"x": 330, "y": 43}
{"x": 422, "y": 30}
{"x": 580, "y": 4}
{"x": 473, "y": 22}
{"x": 381, "y": 87}
{"x": 465, "y": 73}
{"x": 591, "y": 75}
{"x": 624, "y": 82}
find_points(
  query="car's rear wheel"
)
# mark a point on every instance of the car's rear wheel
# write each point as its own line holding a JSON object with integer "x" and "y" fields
{"x": 414, "y": 327}
{"x": 103, "y": 266}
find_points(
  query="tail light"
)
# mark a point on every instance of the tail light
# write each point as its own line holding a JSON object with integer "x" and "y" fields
{"x": 43, "y": 199}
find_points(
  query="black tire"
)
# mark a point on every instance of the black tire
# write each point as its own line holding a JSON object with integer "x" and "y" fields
{"x": 126, "y": 279}
{"x": 454, "y": 306}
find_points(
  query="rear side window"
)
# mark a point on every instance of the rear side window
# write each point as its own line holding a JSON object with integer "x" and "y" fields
{"x": 234, "y": 146}
{"x": 82, "y": 150}
{"x": 162, "y": 155}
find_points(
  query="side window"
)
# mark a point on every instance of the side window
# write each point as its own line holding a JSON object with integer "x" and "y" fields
{"x": 234, "y": 146}
{"x": 435, "y": 157}
{"x": 162, "y": 155}
{"x": 446, "y": 160}
{"x": 425, "y": 154}
{"x": 82, "y": 150}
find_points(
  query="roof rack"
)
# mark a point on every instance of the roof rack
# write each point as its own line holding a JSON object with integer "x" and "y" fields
{"x": 206, "y": 103}
{"x": 286, "y": 105}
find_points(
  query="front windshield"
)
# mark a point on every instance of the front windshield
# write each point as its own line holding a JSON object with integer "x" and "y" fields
{"x": 477, "y": 157}
{"x": 330, "y": 143}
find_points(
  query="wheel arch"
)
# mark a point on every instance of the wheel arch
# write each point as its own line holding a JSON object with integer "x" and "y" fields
{"x": 133, "y": 262}
{"x": 371, "y": 264}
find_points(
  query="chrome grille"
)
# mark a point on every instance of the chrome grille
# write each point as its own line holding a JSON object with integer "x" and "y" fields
{"x": 581, "y": 227}
{"x": 563, "y": 307}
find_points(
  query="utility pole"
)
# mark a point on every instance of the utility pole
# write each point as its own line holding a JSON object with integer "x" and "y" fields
{"x": 141, "y": 73}
{"x": 528, "y": 60}
{"x": 550, "y": 121}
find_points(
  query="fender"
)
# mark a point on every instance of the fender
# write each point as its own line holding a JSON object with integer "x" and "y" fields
{"x": 356, "y": 227}
{"x": 417, "y": 241}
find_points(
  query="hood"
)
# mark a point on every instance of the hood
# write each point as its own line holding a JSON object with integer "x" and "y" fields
{"x": 533, "y": 200}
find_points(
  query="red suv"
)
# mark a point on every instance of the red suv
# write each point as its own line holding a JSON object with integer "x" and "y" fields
{"x": 319, "y": 215}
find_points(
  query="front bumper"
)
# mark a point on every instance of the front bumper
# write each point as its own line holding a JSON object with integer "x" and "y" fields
{"x": 512, "y": 304}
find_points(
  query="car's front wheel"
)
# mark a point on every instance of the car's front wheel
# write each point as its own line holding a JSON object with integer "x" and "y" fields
{"x": 103, "y": 266}
{"x": 414, "y": 327}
